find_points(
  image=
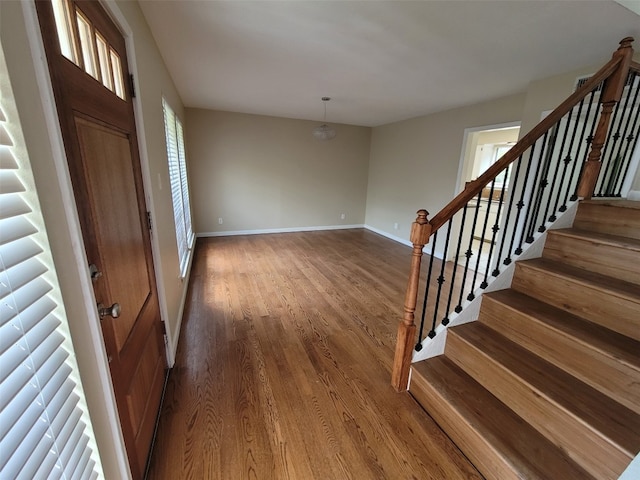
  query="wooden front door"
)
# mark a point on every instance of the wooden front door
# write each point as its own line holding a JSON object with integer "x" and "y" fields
{"x": 89, "y": 75}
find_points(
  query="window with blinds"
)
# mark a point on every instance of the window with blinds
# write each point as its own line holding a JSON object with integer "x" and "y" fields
{"x": 44, "y": 426}
{"x": 179, "y": 185}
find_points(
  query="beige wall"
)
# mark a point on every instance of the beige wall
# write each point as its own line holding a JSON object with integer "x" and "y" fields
{"x": 266, "y": 173}
{"x": 18, "y": 24}
{"x": 414, "y": 163}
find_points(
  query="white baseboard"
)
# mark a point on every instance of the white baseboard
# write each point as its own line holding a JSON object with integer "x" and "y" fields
{"x": 174, "y": 336}
{"x": 425, "y": 249}
{"x": 231, "y": 233}
{"x": 634, "y": 195}
{"x": 389, "y": 236}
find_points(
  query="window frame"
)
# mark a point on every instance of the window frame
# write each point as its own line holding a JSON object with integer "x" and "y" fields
{"x": 178, "y": 179}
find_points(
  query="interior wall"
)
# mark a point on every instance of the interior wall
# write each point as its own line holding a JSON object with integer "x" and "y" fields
{"x": 261, "y": 173}
{"x": 414, "y": 163}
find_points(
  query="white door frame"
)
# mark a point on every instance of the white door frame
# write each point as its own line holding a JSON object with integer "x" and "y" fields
{"x": 464, "y": 155}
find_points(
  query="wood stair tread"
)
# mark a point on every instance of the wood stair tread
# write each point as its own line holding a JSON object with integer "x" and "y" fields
{"x": 615, "y": 287}
{"x": 628, "y": 243}
{"x": 589, "y": 406}
{"x": 622, "y": 203}
{"x": 624, "y": 349}
{"x": 516, "y": 442}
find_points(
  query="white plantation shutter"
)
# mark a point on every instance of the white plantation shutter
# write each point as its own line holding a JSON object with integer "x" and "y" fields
{"x": 179, "y": 185}
{"x": 43, "y": 433}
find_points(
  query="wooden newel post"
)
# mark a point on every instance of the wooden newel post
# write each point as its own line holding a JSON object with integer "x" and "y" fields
{"x": 611, "y": 94}
{"x": 420, "y": 233}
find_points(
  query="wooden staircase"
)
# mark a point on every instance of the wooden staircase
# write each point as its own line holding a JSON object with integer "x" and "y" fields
{"x": 546, "y": 385}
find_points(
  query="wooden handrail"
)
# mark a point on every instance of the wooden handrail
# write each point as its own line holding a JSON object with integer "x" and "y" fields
{"x": 614, "y": 73}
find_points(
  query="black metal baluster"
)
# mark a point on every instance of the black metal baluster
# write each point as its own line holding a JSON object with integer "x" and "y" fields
{"x": 544, "y": 183}
{"x": 469, "y": 253}
{"x": 628, "y": 137}
{"x": 458, "y": 308}
{"x": 441, "y": 279}
{"x": 495, "y": 228}
{"x": 426, "y": 293}
{"x": 631, "y": 143}
{"x": 589, "y": 141}
{"x": 484, "y": 232}
{"x": 616, "y": 162}
{"x": 559, "y": 160}
{"x": 610, "y": 143}
{"x": 539, "y": 186}
{"x": 534, "y": 187}
{"x": 512, "y": 195}
{"x": 567, "y": 160}
{"x": 574, "y": 195}
{"x": 520, "y": 205}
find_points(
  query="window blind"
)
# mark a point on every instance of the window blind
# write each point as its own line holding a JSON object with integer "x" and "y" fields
{"x": 184, "y": 185}
{"x": 43, "y": 420}
{"x": 179, "y": 185}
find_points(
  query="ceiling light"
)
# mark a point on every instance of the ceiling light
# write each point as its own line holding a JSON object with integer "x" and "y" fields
{"x": 324, "y": 131}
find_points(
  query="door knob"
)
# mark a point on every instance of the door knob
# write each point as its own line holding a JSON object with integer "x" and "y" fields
{"x": 112, "y": 311}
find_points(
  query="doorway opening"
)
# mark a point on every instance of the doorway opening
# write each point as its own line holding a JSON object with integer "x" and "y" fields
{"x": 483, "y": 147}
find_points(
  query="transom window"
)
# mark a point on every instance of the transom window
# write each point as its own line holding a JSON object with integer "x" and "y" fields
{"x": 87, "y": 47}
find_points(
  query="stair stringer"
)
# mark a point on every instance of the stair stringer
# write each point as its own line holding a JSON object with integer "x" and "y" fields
{"x": 432, "y": 347}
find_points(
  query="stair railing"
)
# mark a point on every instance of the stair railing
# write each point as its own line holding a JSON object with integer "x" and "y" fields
{"x": 509, "y": 205}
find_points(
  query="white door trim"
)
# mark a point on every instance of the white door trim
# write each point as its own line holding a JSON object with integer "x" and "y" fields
{"x": 465, "y": 140}
{"x": 119, "y": 19}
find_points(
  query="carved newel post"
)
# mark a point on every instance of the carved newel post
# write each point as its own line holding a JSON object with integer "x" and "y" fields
{"x": 611, "y": 94}
{"x": 420, "y": 233}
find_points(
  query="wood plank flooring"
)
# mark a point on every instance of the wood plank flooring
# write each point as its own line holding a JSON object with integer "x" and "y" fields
{"x": 284, "y": 362}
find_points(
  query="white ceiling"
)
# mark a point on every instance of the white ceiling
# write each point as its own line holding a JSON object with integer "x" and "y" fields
{"x": 380, "y": 61}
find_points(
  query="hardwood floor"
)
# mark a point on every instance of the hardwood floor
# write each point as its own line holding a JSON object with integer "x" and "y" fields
{"x": 284, "y": 364}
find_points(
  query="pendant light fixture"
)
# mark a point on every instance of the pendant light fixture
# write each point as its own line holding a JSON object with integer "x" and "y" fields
{"x": 324, "y": 132}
